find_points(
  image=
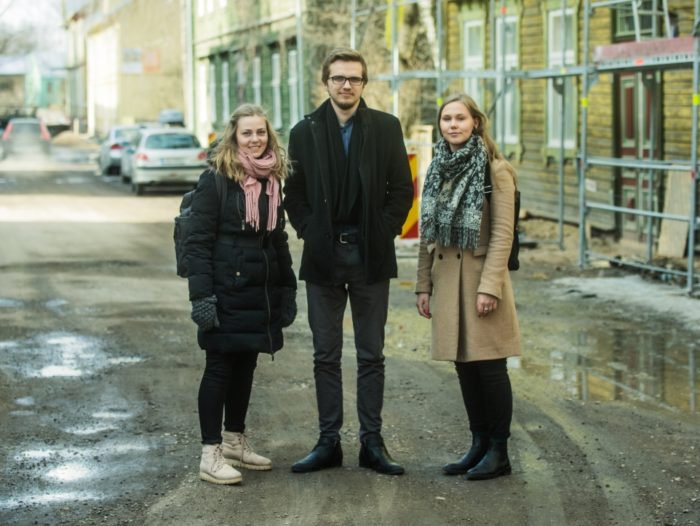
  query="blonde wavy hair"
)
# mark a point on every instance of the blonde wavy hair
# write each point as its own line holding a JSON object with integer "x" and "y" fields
{"x": 225, "y": 155}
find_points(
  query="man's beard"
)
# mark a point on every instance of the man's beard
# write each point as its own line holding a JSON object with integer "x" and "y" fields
{"x": 343, "y": 105}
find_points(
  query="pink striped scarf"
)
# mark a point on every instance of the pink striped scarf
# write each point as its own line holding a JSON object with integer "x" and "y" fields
{"x": 257, "y": 168}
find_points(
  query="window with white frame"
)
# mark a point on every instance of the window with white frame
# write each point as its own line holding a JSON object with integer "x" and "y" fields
{"x": 225, "y": 95}
{"x": 293, "y": 82}
{"x": 212, "y": 92}
{"x": 508, "y": 112}
{"x": 276, "y": 85}
{"x": 222, "y": 3}
{"x": 473, "y": 57}
{"x": 241, "y": 78}
{"x": 257, "y": 81}
{"x": 560, "y": 52}
{"x": 200, "y": 7}
{"x": 624, "y": 21}
{"x": 210, "y": 6}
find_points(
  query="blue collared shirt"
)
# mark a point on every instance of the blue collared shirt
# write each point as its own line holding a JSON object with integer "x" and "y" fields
{"x": 346, "y": 134}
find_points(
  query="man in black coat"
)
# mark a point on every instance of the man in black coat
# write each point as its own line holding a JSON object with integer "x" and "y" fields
{"x": 348, "y": 197}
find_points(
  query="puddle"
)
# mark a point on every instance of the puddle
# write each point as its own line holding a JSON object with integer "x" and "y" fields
{"x": 50, "y": 473}
{"x": 124, "y": 360}
{"x": 57, "y": 370}
{"x": 89, "y": 429}
{"x": 25, "y": 401}
{"x": 7, "y": 303}
{"x": 68, "y": 472}
{"x": 55, "y": 305}
{"x": 22, "y": 412}
{"x": 657, "y": 365}
{"x": 47, "y": 498}
{"x": 112, "y": 414}
{"x": 34, "y": 454}
{"x": 57, "y": 355}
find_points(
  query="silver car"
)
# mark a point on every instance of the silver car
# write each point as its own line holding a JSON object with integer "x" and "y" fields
{"x": 114, "y": 145}
{"x": 163, "y": 156}
{"x": 25, "y": 135}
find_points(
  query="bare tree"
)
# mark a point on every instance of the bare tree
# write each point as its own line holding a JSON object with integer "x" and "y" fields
{"x": 17, "y": 41}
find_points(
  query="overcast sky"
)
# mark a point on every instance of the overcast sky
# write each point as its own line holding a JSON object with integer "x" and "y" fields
{"x": 40, "y": 16}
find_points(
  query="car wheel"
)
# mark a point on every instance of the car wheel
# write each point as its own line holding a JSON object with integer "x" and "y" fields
{"x": 125, "y": 179}
{"x": 137, "y": 188}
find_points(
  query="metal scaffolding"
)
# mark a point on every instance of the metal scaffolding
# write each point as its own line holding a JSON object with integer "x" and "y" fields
{"x": 640, "y": 64}
{"x": 588, "y": 71}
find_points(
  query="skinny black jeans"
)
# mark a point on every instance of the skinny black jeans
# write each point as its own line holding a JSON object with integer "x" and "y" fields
{"x": 226, "y": 385}
{"x": 326, "y": 307}
{"x": 487, "y": 396}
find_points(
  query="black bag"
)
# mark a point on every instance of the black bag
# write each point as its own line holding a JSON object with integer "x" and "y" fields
{"x": 513, "y": 263}
{"x": 182, "y": 223}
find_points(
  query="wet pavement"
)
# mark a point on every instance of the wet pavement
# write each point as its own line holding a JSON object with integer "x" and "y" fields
{"x": 99, "y": 370}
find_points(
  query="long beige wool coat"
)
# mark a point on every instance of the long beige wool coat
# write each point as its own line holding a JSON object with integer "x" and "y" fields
{"x": 454, "y": 276}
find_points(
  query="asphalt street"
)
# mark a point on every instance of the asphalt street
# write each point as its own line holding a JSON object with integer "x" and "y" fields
{"x": 99, "y": 371}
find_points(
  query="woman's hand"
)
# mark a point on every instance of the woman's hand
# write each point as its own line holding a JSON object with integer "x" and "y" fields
{"x": 485, "y": 304}
{"x": 423, "y": 304}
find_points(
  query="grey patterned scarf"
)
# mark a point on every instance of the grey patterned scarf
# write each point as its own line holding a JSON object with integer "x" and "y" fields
{"x": 453, "y": 194}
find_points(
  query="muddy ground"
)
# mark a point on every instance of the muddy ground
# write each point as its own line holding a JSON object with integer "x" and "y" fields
{"x": 99, "y": 371}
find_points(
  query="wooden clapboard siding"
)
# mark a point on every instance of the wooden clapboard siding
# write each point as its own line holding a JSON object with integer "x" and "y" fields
{"x": 538, "y": 174}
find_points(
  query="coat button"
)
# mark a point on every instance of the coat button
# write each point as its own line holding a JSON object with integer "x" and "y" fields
{"x": 439, "y": 256}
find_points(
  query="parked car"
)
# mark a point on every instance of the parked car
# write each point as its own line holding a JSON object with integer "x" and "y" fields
{"x": 111, "y": 150}
{"x": 171, "y": 117}
{"x": 163, "y": 156}
{"x": 25, "y": 135}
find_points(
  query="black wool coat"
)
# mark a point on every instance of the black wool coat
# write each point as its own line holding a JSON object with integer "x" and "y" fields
{"x": 246, "y": 270}
{"x": 386, "y": 193}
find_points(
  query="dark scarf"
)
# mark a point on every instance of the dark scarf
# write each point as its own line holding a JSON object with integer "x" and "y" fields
{"x": 343, "y": 170}
{"x": 453, "y": 194}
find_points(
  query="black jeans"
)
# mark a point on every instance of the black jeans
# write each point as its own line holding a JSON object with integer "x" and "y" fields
{"x": 487, "y": 396}
{"x": 226, "y": 383}
{"x": 326, "y": 306}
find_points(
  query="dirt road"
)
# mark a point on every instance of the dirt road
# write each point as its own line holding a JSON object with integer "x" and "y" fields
{"x": 99, "y": 371}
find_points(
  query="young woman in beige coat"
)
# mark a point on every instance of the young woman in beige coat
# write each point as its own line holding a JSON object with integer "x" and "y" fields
{"x": 463, "y": 283}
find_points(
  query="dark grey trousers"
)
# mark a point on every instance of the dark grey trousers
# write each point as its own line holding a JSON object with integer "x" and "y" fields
{"x": 368, "y": 304}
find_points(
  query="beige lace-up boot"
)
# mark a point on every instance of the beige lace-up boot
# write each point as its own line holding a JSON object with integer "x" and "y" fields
{"x": 237, "y": 452}
{"x": 214, "y": 469}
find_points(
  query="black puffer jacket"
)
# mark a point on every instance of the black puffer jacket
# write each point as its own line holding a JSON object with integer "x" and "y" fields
{"x": 244, "y": 269}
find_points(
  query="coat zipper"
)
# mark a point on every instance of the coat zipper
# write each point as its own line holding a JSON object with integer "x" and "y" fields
{"x": 267, "y": 301}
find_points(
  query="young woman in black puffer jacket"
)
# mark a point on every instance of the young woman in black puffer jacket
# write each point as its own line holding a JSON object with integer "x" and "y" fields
{"x": 241, "y": 283}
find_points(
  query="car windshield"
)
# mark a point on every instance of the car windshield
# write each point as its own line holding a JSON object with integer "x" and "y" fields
{"x": 126, "y": 135}
{"x": 25, "y": 128}
{"x": 171, "y": 141}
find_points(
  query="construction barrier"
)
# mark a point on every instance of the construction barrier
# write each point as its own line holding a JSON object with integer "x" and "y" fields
{"x": 410, "y": 227}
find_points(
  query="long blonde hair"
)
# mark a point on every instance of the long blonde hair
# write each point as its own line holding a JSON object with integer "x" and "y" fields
{"x": 479, "y": 116}
{"x": 225, "y": 156}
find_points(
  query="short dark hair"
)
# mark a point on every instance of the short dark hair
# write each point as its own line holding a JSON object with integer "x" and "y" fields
{"x": 346, "y": 54}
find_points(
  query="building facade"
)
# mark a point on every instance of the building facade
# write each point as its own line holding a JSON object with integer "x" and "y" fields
{"x": 537, "y": 118}
{"x": 125, "y": 60}
{"x": 246, "y": 51}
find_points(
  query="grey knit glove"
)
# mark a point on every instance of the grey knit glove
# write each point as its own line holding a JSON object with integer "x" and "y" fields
{"x": 288, "y": 306}
{"x": 204, "y": 313}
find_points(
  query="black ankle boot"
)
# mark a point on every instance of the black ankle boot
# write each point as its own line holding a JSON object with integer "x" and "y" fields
{"x": 373, "y": 455}
{"x": 494, "y": 464}
{"x": 326, "y": 454}
{"x": 471, "y": 458}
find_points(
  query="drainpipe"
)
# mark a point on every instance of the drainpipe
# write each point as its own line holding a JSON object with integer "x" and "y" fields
{"x": 188, "y": 73}
{"x": 301, "y": 80}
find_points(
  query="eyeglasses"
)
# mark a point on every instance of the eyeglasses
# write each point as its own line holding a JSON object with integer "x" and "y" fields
{"x": 340, "y": 80}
